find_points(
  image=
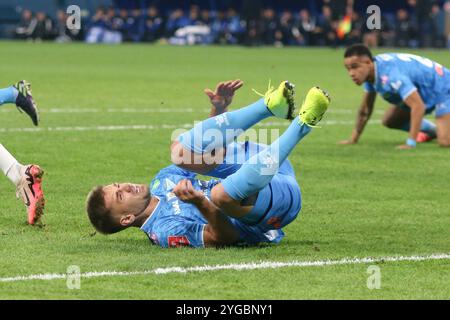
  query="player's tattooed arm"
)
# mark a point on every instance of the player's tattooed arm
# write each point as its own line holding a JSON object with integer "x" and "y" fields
{"x": 219, "y": 231}
{"x": 222, "y": 96}
{"x": 364, "y": 114}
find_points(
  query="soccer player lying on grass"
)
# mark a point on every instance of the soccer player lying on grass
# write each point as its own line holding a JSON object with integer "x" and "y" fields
{"x": 249, "y": 204}
{"x": 26, "y": 178}
{"x": 414, "y": 85}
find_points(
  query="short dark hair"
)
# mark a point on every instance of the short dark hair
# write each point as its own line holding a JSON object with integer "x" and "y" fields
{"x": 101, "y": 217}
{"x": 358, "y": 50}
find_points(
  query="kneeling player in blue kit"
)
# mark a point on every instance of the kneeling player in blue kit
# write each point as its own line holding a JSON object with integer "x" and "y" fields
{"x": 248, "y": 203}
{"x": 414, "y": 85}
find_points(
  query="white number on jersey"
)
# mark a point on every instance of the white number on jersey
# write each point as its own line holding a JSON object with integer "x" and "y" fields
{"x": 409, "y": 57}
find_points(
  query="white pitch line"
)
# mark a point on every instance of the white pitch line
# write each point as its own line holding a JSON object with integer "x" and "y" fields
{"x": 237, "y": 267}
{"x": 114, "y": 110}
{"x": 157, "y": 127}
{"x": 153, "y": 110}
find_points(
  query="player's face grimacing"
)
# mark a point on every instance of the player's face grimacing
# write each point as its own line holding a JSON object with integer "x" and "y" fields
{"x": 359, "y": 68}
{"x": 126, "y": 198}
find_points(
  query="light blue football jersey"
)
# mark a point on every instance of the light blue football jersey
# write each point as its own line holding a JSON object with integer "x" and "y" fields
{"x": 175, "y": 223}
{"x": 397, "y": 75}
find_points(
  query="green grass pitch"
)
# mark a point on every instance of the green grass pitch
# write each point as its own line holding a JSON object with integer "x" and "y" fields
{"x": 368, "y": 200}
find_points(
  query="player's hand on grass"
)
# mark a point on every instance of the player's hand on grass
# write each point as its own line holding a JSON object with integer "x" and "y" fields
{"x": 404, "y": 147}
{"x": 347, "y": 142}
{"x": 186, "y": 192}
{"x": 223, "y": 95}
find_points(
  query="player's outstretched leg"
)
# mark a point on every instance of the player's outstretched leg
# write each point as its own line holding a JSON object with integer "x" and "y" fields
{"x": 276, "y": 102}
{"x": 8, "y": 95}
{"x": 28, "y": 182}
{"x": 259, "y": 170}
{"x": 20, "y": 94}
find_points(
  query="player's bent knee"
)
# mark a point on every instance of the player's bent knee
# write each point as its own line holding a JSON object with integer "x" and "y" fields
{"x": 228, "y": 205}
{"x": 388, "y": 123}
{"x": 187, "y": 160}
{"x": 220, "y": 197}
{"x": 444, "y": 143}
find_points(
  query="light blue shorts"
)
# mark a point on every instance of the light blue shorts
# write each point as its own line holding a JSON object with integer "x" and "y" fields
{"x": 442, "y": 109}
{"x": 277, "y": 204}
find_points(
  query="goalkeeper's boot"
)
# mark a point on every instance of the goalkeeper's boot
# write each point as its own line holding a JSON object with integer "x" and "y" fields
{"x": 314, "y": 107}
{"x": 30, "y": 190}
{"x": 25, "y": 102}
{"x": 280, "y": 101}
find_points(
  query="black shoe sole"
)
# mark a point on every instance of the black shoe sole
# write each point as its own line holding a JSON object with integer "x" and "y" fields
{"x": 289, "y": 93}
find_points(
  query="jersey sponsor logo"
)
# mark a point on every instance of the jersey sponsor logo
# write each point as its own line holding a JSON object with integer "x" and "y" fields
{"x": 170, "y": 196}
{"x": 396, "y": 85}
{"x": 175, "y": 203}
{"x": 177, "y": 241}
{"x": 176, "y": 207}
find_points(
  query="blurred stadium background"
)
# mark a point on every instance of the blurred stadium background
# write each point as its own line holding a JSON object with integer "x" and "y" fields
{"x": 405, "y": 23}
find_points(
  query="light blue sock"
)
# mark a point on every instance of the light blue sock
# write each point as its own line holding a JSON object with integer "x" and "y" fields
{"x": 8, "y": 95}
{"x": 219, "y": 131}
{"x": 427, "y": 127}
{"x": 259, "y": 170}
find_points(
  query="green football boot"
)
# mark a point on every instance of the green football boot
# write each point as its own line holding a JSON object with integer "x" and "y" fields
{"x": 314, "y": 107}
{"x": 25, "y": 102}
{"x": 280, "y": 101}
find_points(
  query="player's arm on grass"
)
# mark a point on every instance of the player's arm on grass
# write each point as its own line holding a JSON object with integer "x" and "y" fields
{"x": 222, "y": 96}
{"x": 219, "y": 231}
{"x": 415, "y": 103}
{"x": 364, "y": 113}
